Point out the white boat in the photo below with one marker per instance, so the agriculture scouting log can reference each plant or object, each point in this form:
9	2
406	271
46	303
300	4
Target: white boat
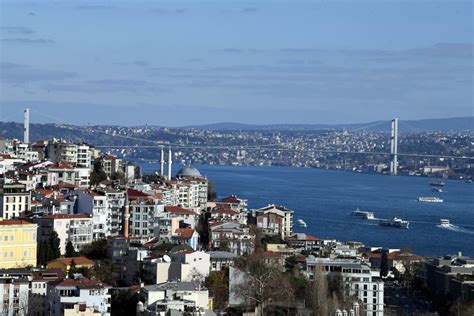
302	223
436	189
362	214
395	222
444	223
430	199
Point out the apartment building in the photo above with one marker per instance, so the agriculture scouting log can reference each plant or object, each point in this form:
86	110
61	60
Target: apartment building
17	244
14	200
275	220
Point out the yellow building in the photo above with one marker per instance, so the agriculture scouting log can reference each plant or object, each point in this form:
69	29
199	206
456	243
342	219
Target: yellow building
17	243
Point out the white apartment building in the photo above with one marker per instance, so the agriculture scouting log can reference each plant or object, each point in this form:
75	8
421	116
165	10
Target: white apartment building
64	294
76	228
358	278
95	204
165	298
144	217
67	173
15	296
14	200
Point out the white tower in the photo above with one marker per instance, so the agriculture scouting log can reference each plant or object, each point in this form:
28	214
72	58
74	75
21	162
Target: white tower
170	162
394	147
162	162
26	126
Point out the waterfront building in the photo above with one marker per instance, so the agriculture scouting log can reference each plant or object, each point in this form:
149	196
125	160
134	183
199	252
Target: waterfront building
17	243
14	200
301	241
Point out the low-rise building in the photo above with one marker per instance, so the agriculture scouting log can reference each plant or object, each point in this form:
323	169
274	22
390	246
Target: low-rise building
14	200
64	264
64	294
15	296
275	220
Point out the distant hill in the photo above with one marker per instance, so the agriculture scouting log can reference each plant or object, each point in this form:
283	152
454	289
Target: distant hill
106	134
427	125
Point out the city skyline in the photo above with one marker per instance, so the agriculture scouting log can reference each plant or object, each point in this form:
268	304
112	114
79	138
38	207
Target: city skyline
268	62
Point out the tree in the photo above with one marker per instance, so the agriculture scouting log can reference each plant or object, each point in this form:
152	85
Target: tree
54	244
262	284
72	269
224	246
384	265
42	253
318	292
218	285
98	249
119	175
98	174
123	303
70	251
211	193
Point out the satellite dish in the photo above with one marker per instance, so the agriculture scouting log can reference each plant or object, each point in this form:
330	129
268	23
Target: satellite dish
166	258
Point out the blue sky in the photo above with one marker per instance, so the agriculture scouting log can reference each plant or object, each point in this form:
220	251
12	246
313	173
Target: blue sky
176	63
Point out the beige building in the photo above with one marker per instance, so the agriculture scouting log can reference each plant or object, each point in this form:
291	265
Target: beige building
275	220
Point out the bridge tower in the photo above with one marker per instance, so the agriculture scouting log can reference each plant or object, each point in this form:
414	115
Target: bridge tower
394	147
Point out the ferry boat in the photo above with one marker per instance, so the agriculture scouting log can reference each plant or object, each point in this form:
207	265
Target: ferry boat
437	183
302	223
430	199
362	214
395	222
436	189
444	223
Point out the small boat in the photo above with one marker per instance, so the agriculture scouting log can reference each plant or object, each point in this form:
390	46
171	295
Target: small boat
437	183
302	223
362	214
436	189
430	199
395	222
468	181
444	223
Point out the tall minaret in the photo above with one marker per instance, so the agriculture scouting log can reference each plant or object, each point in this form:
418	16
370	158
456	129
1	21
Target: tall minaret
170	162
162	162
26	126
126	217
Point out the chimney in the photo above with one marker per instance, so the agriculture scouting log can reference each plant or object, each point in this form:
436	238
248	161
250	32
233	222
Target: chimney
170	162
26	126
162	162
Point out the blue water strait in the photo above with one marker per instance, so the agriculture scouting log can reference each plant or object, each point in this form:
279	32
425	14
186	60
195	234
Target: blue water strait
325	198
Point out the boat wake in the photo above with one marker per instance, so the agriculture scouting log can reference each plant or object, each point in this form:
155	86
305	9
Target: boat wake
456	228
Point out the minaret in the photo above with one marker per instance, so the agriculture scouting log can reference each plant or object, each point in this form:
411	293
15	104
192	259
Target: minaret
126	216
162	162
26	126
170	162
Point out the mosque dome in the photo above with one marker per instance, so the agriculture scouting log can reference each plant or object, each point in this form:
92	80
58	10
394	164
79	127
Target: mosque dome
188	171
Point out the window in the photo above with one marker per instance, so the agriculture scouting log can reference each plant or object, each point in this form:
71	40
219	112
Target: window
374	300
6	238
375	287
12	238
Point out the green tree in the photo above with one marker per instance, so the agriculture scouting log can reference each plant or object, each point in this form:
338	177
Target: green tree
119	175
98	173
70	251
42	253
72	269
98	249
123	302
54	246
384	265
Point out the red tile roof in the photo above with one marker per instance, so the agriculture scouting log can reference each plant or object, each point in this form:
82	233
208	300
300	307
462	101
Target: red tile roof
185	233
178	210
8	222
82	283
132	193
64	216
77	260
